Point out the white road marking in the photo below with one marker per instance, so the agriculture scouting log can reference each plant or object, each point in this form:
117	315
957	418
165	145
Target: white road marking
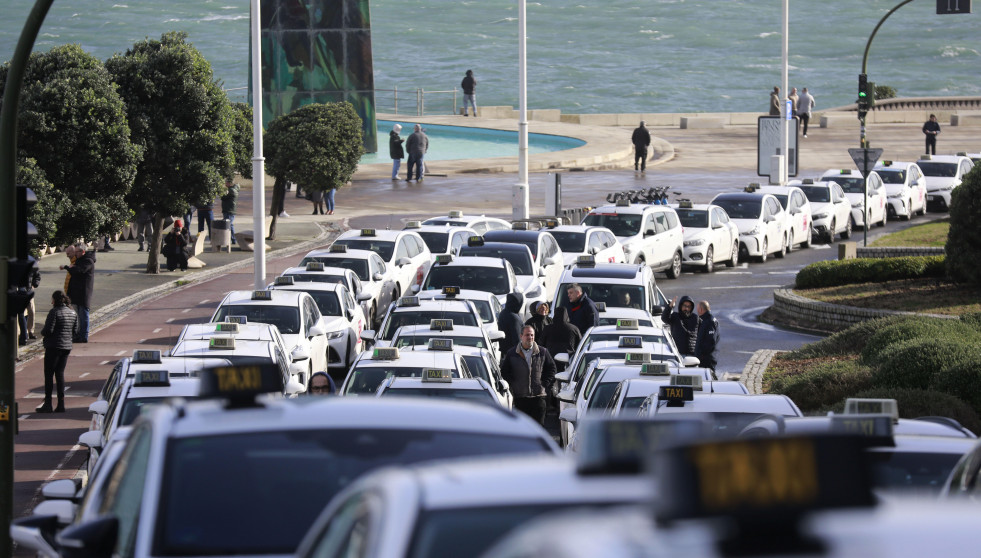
205	301
61	465
105	362
791	272
169	320
142	341
185	311
120	353
742	319
84	374
820	246
157	330
733	272
741	287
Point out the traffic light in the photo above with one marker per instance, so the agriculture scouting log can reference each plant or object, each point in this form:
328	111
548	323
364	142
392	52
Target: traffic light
863	92
22	269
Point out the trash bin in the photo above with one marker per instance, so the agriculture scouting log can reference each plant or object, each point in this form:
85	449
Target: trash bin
221	237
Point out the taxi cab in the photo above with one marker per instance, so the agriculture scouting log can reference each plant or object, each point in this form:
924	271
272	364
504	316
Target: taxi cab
466	336
487	304
317	272
584	240
242	474
441	384
403	252
373	367
478	223
486	365
545	251
411	310
610	315
534	280
650	234
728	413
377	278
852	183
441	239
761	222
710	237
905	188
294	313
943	173
473	273
247	351
797	210
631	393
831	211
615	285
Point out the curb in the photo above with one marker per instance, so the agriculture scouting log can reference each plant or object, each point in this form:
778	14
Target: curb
835	317
752	376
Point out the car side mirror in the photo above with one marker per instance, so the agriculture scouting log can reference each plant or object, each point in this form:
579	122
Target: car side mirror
93	539
294	387
91	439
566	396
649	232
368	335
62	489
363	296
549	261
62	509
504	387
563	376
657	310
316	330
561	357
99	407
569	415
37	533
495	335
415	288
690	361
541	272
402	262
377	276
300	353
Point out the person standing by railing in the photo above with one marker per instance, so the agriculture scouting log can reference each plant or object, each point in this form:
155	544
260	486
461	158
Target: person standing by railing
469	84
395	150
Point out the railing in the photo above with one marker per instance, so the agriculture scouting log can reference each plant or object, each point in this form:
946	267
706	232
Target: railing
919	103
413	102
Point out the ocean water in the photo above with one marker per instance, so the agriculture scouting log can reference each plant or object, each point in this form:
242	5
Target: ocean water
585	56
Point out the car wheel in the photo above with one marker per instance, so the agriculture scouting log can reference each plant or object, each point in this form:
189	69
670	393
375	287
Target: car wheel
766	248
847	233
734	260
909	209
831	232
885	217
790	242
710	260
783	249
675	270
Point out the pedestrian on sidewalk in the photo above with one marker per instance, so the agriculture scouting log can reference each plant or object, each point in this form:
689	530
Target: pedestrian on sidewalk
330	201
469	84
229	205
25	322
804	106
175	247
205	215
707	341
59	328
144	227
80	288
775	102
395	150
794	98
931	129
684	324
416	146
317	197
641	140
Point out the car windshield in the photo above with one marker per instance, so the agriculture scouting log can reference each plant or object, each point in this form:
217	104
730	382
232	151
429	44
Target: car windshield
622	225
228	494
484	309
920	473
850	184
477	366
358	266
365	380
892	176
741	209
435	241
615	296
817	194
316	278
648	338
600	399
631	406
934	168
476	278
286	318
477	395
328	302
407	340
570	241
695	218
782	198
383	248
520	260
134	407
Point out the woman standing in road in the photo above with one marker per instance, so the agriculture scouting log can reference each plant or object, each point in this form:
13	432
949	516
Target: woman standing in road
58	331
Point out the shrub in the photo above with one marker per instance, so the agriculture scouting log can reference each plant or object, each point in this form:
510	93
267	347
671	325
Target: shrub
913	364
824	384
964	237
916	403
973	319
916	327
832	273
849	341
885	92
961	380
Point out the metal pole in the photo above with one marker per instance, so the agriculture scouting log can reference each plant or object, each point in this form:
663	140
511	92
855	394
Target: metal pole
519	193
396	99
258	161
784	123
8	236
865	199
863	140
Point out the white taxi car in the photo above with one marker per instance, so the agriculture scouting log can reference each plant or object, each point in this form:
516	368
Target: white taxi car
710	237
797	209
441	239
373	367
545	252
465	336
487	304
473	273
905	188
943	173
377	278
760	220
631	393
478	223
584	240
317	272
831	212
439	383
852	183
411	310
728	414
402	251
486	365
628	286
533	280
650	234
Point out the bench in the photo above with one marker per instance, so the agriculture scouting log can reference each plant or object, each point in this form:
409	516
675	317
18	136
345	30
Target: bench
246	239
702	122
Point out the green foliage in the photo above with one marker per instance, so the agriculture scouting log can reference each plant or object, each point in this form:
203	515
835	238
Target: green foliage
831	273
913	364
316	146
885	92
961	380
916	403
242	139
848	341
72	123
880	343
824	384
47	211
964	238
973	319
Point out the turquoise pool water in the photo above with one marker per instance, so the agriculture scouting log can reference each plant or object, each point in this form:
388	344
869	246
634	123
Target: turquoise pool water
460	142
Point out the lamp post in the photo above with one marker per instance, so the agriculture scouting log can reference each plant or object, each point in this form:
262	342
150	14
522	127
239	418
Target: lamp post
258	161
519	192
784	122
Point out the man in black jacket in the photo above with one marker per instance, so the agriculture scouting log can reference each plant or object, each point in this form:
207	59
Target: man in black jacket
684	324
530	372
582	310
641	140
509	321
707	342
80	288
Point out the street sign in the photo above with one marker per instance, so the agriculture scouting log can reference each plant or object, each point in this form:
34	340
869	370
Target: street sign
769	140
865	159
953	7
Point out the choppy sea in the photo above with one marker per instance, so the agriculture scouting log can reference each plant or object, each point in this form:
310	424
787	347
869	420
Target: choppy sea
585	56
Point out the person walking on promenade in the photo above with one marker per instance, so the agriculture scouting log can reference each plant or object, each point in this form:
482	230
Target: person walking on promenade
80	288
707	341
229	205
59	328
775	102
25	322
804	106
329	195
317	197
641	140
416	146
395	150
793	101
582	310
469	97
205	215
529	370
175	247
931	129
144	228
560	336
684	324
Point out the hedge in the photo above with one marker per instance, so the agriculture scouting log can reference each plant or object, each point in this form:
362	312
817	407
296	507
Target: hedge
916	403
878	345
845	342
831	273
962	380
913	364
824	384
973	319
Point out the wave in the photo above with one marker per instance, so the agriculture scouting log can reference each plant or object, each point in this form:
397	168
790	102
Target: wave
225	17
769	34
952	51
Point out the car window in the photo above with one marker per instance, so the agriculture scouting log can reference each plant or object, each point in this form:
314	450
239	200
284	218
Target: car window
596	241
125	489
459	240
660	223
346	534
402	251
672	219
479	227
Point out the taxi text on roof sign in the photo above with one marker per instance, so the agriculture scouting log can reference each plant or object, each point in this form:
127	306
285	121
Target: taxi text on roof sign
242	320
693	380
240	384
385	353
451	291
437	375
367	232
286	279
675	395
628	323
655	369
623	446
342	248
227	327
455	214
413	224
855	406
586	261
441	324
261	295
637	358
869	426
444	259
631	342
146	357
475	241
685	203
440	344
222	343
153	378
315	266
408	301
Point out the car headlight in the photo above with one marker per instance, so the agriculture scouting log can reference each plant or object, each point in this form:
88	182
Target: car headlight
334	334
535	292
696	242
755	230
820	216
857	204
946	188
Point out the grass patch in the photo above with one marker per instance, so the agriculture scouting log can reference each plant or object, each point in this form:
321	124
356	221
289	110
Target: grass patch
930	234
915	295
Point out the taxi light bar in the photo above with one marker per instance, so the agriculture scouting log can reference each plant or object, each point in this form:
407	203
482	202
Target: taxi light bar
586	260
285	279
685	204
655	369
551	223
624	446
874	427
887	163
451	292
437	375
241	384
341	248
367	232
440	344
241	320
519	226
962	153
455	214
889	407
444	258
675	395
628	323
692	380
630	342
261	295
413	225
753	186
145	356
315	266
441	324
623	202
807	181
926	157
600	306
152	378
408	301
227	327
476	240
637	358
385	353
222	343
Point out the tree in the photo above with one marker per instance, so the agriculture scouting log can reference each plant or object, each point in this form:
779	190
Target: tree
885	92
317	146
964	238
182	119
242	139
47	212
72	124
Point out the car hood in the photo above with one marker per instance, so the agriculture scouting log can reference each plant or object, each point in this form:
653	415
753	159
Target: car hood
745	225
895	188
938	182
334	323
822	207
695	234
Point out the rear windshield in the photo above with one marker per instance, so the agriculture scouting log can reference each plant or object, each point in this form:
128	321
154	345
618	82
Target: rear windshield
316	278
817	194
435	241
408	317
285	318
358	266
741	209
383	248
931	168
477	278
570	241
892	176
520	260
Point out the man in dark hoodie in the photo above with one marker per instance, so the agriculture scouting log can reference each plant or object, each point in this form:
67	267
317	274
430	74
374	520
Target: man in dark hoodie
684	324
582	310
509	321
80	288
707	342
530	371
560	336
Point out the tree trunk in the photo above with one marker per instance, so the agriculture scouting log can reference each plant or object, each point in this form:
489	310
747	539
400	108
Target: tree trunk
277	205
153	259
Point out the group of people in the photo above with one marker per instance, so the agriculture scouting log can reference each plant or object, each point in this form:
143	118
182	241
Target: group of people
416	145
800	105
694	329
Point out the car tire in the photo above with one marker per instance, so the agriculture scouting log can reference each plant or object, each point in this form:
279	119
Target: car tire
909	209
790	242
847	233
734	260
710	260
783	249
764	254
830	236
675	270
